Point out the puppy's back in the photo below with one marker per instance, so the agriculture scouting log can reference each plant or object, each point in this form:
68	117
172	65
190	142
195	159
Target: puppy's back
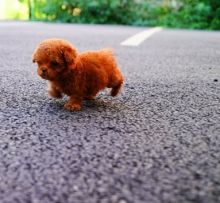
101	59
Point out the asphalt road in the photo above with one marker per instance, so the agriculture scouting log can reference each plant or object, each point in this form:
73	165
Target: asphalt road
157	142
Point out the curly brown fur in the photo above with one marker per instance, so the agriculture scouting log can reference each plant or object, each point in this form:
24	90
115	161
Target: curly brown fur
78	75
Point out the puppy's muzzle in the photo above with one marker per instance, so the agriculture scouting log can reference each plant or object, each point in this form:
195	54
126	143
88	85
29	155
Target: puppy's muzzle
43	72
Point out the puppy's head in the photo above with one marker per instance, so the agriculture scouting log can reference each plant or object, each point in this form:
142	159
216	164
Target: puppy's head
54	57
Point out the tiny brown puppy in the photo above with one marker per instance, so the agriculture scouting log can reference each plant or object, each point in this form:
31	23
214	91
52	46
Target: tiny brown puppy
78	75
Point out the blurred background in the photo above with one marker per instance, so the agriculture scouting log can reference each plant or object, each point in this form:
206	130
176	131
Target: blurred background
193	14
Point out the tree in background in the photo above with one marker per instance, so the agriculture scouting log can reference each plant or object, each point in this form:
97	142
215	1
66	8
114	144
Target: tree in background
214	16
87	11
196	14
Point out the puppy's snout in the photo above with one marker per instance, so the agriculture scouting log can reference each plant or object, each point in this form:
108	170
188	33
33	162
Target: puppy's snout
44	70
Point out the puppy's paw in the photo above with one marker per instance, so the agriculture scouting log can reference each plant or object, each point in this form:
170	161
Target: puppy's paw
55	94
72	106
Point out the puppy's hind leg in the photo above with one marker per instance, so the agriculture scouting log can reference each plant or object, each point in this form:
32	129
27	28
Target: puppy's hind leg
116	84
115	90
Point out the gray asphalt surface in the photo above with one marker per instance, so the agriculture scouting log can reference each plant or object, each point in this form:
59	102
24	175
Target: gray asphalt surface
157	142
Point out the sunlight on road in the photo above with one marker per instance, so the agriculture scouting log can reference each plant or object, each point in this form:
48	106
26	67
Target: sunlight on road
12	9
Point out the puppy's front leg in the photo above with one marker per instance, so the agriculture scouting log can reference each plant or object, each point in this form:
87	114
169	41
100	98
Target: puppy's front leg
74	103
53	91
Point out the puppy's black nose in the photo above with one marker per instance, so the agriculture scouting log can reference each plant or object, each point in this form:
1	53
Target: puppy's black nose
44	70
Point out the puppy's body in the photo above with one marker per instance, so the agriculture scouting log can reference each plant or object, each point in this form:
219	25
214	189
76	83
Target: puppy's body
80	76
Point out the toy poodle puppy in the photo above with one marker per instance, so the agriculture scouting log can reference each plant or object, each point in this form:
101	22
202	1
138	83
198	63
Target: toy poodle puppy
78	75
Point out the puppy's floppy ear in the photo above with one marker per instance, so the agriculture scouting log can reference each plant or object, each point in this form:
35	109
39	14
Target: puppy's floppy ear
34	57
68	55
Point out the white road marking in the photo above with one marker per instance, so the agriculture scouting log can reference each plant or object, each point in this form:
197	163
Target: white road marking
138	38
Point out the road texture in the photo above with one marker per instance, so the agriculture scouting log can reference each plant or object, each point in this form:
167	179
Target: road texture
157	142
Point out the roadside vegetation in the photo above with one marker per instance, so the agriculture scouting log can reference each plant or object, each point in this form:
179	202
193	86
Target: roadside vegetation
194	14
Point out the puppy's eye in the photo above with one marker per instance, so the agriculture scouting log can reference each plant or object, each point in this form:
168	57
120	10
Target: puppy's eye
54	63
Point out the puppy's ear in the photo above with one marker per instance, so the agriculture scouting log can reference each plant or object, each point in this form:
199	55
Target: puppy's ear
68	55
34	57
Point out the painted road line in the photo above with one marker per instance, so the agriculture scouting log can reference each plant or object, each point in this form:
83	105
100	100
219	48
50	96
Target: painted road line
138	38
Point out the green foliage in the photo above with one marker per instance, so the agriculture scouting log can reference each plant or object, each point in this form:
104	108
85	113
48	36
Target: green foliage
87	11
196	14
